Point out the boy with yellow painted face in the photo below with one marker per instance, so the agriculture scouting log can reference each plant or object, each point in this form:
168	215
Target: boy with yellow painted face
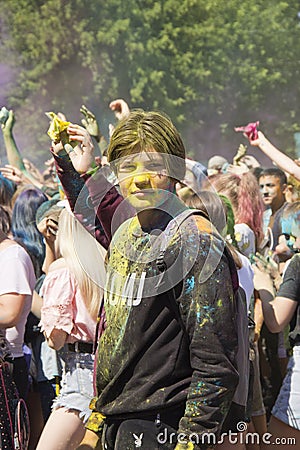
166	372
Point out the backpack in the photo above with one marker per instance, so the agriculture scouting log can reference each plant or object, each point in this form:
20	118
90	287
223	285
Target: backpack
243	321
14	419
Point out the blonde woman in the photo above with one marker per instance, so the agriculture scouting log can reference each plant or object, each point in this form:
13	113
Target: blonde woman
72	295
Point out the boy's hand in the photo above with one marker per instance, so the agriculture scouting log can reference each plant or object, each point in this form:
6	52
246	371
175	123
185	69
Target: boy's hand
82	156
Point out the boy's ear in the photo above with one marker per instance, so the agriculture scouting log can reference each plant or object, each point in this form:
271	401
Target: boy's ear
284	188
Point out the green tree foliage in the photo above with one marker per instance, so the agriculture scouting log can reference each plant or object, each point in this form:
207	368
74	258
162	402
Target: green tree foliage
210	65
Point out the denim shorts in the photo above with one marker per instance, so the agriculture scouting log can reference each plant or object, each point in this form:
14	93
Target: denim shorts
287	406
77	383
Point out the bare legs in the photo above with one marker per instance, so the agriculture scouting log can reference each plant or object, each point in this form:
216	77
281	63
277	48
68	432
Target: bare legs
64	430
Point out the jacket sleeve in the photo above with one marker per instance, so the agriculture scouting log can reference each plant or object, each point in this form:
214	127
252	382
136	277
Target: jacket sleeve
208	311
93	199
108	204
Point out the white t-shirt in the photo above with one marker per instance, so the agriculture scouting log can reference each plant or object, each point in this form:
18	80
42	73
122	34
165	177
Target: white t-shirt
246	274
17	275
245	239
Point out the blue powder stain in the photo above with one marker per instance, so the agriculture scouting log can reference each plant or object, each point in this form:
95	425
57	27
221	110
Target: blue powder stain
189	284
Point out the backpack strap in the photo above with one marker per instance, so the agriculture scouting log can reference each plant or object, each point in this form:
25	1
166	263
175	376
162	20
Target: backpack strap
176	223
162	265
242	357
100	325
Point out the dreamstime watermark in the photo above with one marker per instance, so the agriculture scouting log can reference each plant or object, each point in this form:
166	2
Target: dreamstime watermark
242	436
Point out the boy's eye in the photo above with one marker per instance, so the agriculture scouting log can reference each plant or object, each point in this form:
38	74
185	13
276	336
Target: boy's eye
155	166
127	167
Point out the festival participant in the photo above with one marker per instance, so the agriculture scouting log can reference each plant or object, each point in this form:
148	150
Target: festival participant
272	184
22	171
5	220
45	364
195	175
278	313
72	296
243	193
7	189
283	161
24	229
215	164
17	280
292	193
221	215
160	368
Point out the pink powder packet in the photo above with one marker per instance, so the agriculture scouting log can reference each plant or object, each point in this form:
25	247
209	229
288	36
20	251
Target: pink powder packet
250	130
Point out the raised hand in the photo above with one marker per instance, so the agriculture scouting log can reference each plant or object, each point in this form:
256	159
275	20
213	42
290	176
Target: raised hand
297	161
239	169
259	141
14	174
82	156
33	170
62	116
120	108
250	161
263	282
240	154
249	131
48	227
9	123
266	263
90	123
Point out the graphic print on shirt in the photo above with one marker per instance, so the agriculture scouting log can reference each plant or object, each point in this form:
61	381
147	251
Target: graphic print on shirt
131	291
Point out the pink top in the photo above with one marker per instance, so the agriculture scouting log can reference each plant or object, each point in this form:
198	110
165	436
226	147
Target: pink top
64	308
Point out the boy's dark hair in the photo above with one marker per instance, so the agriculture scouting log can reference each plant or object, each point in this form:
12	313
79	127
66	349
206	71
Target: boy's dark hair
274	172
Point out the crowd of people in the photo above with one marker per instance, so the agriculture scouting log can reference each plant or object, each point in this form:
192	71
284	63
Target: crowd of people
148	300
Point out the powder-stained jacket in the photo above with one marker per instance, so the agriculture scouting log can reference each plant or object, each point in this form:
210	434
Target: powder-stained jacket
146	361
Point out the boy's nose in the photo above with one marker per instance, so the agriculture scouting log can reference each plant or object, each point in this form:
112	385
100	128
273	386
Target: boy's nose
141	179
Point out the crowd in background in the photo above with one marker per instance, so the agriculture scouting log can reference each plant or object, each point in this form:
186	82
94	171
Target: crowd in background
53	274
